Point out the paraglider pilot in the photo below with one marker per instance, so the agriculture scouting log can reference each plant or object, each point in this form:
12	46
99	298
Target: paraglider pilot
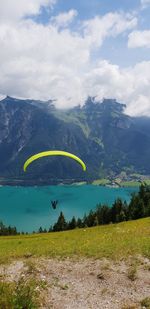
54	204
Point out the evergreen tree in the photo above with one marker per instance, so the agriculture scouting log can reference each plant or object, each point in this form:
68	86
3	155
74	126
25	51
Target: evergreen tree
103	214
79	223
4	230
40	230
136	208
90	219
121	216
95	223
84	221
147	210
72	224
61	224
117	211
144	193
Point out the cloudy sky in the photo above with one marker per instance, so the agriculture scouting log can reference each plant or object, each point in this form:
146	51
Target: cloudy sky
67	50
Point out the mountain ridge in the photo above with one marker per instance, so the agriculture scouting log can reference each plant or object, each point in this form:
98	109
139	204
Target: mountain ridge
108	140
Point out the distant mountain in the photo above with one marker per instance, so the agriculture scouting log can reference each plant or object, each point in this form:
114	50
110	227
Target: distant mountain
108	140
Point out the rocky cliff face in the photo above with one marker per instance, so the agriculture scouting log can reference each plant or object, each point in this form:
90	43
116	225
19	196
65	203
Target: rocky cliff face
101	134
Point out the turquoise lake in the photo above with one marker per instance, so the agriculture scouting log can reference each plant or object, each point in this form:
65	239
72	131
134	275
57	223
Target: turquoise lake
28	208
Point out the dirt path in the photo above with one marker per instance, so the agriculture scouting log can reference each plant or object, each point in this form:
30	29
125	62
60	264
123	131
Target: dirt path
85	283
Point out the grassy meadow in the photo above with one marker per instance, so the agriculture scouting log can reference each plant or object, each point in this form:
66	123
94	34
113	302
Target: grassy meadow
101	182
130	183
114	241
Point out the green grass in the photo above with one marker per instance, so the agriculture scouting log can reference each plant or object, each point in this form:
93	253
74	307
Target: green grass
130	184
80	183
77	118
115	241
147	181
146	303
18	295
101	182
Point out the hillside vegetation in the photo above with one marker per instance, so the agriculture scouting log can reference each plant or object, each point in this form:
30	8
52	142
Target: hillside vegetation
115	241
107	140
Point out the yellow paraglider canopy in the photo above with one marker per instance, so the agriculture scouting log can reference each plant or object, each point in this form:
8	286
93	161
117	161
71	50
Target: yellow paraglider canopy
53	153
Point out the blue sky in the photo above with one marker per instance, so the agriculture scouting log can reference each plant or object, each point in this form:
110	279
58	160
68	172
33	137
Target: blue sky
88	9
114	50
67	50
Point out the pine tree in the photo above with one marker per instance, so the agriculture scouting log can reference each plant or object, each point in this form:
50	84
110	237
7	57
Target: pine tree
136	208
95	223
84	221
103	214
90	219
61	224
116	210
72	224
79	223
40	230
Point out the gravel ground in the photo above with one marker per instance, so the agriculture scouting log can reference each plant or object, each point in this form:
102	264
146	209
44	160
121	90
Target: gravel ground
85	283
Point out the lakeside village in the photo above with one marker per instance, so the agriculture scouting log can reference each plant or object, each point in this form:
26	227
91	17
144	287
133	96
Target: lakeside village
122	180
119	180
114	180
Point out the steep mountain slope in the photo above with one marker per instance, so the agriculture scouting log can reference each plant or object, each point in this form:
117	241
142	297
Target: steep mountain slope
101	134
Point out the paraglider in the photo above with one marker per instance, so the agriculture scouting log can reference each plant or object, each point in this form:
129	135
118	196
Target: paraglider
53	153
54	204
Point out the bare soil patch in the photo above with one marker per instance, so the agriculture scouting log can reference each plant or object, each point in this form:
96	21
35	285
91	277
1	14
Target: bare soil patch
85	283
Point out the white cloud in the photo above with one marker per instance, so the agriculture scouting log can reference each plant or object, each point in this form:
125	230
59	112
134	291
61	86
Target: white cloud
64	19
42	62
12	10
139	107
145	3
111	24
139	39
130	85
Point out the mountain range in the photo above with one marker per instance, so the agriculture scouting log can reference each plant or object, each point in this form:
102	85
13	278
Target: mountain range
100	133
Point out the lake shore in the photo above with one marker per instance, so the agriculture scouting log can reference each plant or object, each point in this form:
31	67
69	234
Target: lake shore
112	183
33	204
